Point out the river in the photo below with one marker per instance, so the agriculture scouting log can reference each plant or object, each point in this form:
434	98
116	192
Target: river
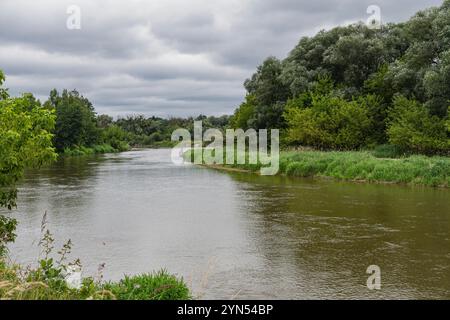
238	235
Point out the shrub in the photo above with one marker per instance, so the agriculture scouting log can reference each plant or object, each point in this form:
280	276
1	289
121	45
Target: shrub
330	122
413	128
116	137
156	286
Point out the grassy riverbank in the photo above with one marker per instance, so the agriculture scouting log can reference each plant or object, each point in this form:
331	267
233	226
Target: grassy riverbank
47	283
362	166
96	149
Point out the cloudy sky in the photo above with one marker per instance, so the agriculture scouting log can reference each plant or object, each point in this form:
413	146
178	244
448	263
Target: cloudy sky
163	57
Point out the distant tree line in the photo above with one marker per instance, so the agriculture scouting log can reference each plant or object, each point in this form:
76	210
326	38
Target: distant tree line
78	126
353	87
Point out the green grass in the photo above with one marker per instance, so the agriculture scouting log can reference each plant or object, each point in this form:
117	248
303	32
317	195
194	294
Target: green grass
156	286
363	166
388	151
17	284
85	151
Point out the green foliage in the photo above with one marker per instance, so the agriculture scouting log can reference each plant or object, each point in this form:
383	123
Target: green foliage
157	132
244	115
269	93
388	151
104	121
46	282
116	137
363	166
78	129
86	151
377	113
266	85
437	85
7	233
3	91
76	123
156	286
369	68
25	141
328	122
412	127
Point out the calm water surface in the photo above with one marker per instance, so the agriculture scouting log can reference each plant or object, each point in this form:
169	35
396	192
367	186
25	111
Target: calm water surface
239	235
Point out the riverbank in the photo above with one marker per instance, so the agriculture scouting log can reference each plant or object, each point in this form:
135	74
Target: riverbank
96	149
359	166
47	282
107	148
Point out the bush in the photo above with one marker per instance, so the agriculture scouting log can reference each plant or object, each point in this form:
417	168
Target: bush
156	286
330	122
412	127
116	137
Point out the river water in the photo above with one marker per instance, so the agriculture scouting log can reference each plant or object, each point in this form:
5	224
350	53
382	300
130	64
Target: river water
238	235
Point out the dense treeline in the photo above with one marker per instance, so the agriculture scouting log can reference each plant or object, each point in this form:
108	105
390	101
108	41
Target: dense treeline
76	127
354	87
79	130
154	131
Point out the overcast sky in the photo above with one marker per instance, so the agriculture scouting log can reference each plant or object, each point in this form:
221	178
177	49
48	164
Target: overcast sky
163	57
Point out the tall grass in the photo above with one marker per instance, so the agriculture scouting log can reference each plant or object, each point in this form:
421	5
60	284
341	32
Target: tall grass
363	166
19	284
96	149
417	170
154	286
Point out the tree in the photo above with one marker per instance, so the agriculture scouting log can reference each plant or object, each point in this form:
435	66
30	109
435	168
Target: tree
368	67
269	93
76	123
354	57
437	86
412	127
266	84
327	121
25	141
245	114
116	137
104	121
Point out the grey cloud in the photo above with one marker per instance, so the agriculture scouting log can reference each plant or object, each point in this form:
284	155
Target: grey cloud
165	57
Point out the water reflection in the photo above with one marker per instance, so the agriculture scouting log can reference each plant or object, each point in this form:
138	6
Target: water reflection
240	235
